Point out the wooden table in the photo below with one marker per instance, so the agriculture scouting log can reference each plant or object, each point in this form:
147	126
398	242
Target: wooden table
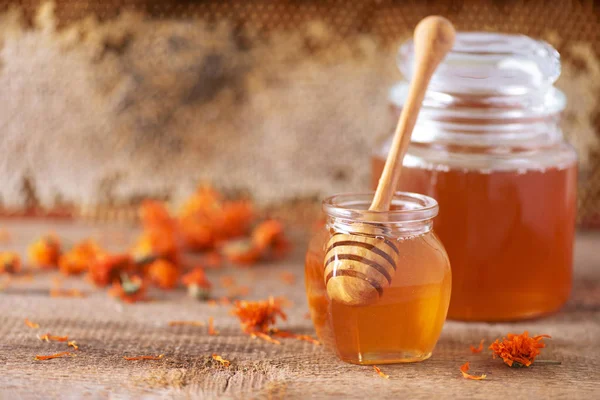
106	330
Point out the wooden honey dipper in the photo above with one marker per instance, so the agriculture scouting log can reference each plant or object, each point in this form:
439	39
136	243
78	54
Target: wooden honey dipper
360	265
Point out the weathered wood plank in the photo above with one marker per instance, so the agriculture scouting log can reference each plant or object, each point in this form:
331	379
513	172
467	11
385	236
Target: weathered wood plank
107	330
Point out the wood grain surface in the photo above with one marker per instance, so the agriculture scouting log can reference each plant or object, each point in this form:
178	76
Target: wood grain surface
107	330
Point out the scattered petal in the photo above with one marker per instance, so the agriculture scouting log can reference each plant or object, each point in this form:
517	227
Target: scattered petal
223	362
52	338
136	358
381	374
478	349
57	355
464	370
73	344
32	325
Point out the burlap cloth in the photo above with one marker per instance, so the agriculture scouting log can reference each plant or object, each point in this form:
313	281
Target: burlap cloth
107	330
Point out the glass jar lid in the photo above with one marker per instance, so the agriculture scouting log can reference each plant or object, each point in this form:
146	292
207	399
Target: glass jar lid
490	64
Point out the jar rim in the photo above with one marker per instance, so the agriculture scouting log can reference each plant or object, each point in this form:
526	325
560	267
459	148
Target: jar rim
415	207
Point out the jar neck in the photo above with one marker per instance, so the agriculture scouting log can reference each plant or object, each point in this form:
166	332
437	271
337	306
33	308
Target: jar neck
410	215
485	123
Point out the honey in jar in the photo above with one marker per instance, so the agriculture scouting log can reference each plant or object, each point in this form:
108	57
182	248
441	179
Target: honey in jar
488	147
404	324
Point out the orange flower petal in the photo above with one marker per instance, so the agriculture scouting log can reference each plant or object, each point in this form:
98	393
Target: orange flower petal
56	355
220	359
32	325
465	367
136	358
381	374
478	349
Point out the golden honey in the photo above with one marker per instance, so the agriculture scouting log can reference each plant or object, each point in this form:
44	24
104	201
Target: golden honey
404	325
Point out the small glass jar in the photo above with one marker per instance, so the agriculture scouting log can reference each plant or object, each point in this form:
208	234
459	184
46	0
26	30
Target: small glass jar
406	321
488	147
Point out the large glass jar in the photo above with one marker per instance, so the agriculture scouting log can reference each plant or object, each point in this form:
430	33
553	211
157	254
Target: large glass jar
404	324
488	147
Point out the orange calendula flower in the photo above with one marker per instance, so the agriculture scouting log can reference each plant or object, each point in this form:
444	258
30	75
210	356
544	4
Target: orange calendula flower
197	283
45	252
79	258
220	359
381	374
163	274
464	370
107	268
236	218
10	262
258	316
477	349
156	243
154	215
32	325
267	233
52	338
242	252
56	355
129	290
137	358
518	350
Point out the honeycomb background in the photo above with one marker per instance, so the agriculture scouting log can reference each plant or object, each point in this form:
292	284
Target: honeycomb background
105	103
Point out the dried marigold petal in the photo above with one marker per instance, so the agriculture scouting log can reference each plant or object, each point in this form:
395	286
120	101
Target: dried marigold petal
129	290
286	334
258	316
56	355
163	274
264	337
108	267
464	370
211	327
478	349
266	233
79	258
30	324
137	358
242	252
225	363
186	323
73	344
381	374
45	251
236	217
518	350
10	262
196	277
53	338
154	215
